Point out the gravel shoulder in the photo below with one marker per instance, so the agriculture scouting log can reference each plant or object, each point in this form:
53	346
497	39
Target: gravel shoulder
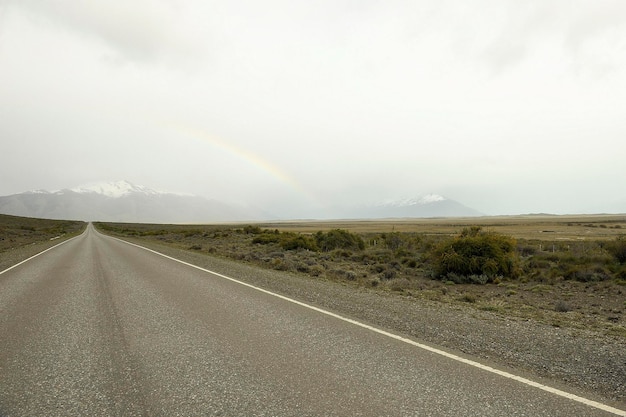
592	363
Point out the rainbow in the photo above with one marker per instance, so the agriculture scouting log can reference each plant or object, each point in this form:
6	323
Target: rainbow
245	155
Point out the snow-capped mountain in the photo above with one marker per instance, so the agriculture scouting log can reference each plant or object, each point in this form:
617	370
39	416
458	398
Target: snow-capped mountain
412	201
122	201
115	189
426	205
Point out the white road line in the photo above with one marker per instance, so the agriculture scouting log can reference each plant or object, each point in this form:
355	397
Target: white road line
40	253
555	391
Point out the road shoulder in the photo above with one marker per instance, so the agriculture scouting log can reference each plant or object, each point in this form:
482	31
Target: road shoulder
591	363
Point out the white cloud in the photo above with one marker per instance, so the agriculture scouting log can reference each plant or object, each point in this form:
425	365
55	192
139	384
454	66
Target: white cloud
137	31
495	103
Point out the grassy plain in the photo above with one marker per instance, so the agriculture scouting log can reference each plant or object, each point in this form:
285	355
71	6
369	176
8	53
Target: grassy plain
22	237
16	232
539	227
568	276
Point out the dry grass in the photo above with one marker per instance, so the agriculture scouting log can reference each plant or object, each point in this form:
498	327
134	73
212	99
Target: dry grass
540	227
16	232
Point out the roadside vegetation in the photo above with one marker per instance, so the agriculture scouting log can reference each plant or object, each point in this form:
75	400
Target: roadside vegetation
16	232
577	282
22	237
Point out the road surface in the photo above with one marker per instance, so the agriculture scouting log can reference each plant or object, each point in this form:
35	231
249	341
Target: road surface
99	327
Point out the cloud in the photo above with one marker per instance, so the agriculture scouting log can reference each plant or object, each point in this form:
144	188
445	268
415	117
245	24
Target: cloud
356	100
513	33
584	35
592	22
595	38
589	35
142	31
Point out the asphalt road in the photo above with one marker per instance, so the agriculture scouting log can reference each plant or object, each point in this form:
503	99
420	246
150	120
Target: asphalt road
98	327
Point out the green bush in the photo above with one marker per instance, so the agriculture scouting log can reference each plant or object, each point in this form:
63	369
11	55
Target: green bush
266	238
475	256
295	242
583	273
393	240
338	239
252	230
617	248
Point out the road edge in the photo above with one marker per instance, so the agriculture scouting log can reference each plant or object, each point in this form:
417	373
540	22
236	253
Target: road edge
508	375
42	252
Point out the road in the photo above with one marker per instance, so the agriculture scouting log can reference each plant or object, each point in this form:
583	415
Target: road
100	327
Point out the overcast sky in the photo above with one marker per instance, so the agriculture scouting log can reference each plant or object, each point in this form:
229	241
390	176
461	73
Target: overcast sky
506	106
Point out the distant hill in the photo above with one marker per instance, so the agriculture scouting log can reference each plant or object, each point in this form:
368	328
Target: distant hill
424	206
122	201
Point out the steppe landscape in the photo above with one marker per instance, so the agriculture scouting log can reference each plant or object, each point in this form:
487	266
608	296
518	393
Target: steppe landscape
561	317
298	209
22	237
568	276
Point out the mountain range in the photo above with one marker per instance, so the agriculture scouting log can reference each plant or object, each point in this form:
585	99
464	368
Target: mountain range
428	205
123	201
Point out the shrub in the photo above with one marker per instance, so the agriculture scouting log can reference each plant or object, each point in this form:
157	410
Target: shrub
252	230
342	273
316	270
468	298
562	307
295	242
393	240
350	275
266	238
475	256
411	263
478	279
341	254
388	274
527	250
617	248
282	264
338	239
189	233
382	256
399	284
586	274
